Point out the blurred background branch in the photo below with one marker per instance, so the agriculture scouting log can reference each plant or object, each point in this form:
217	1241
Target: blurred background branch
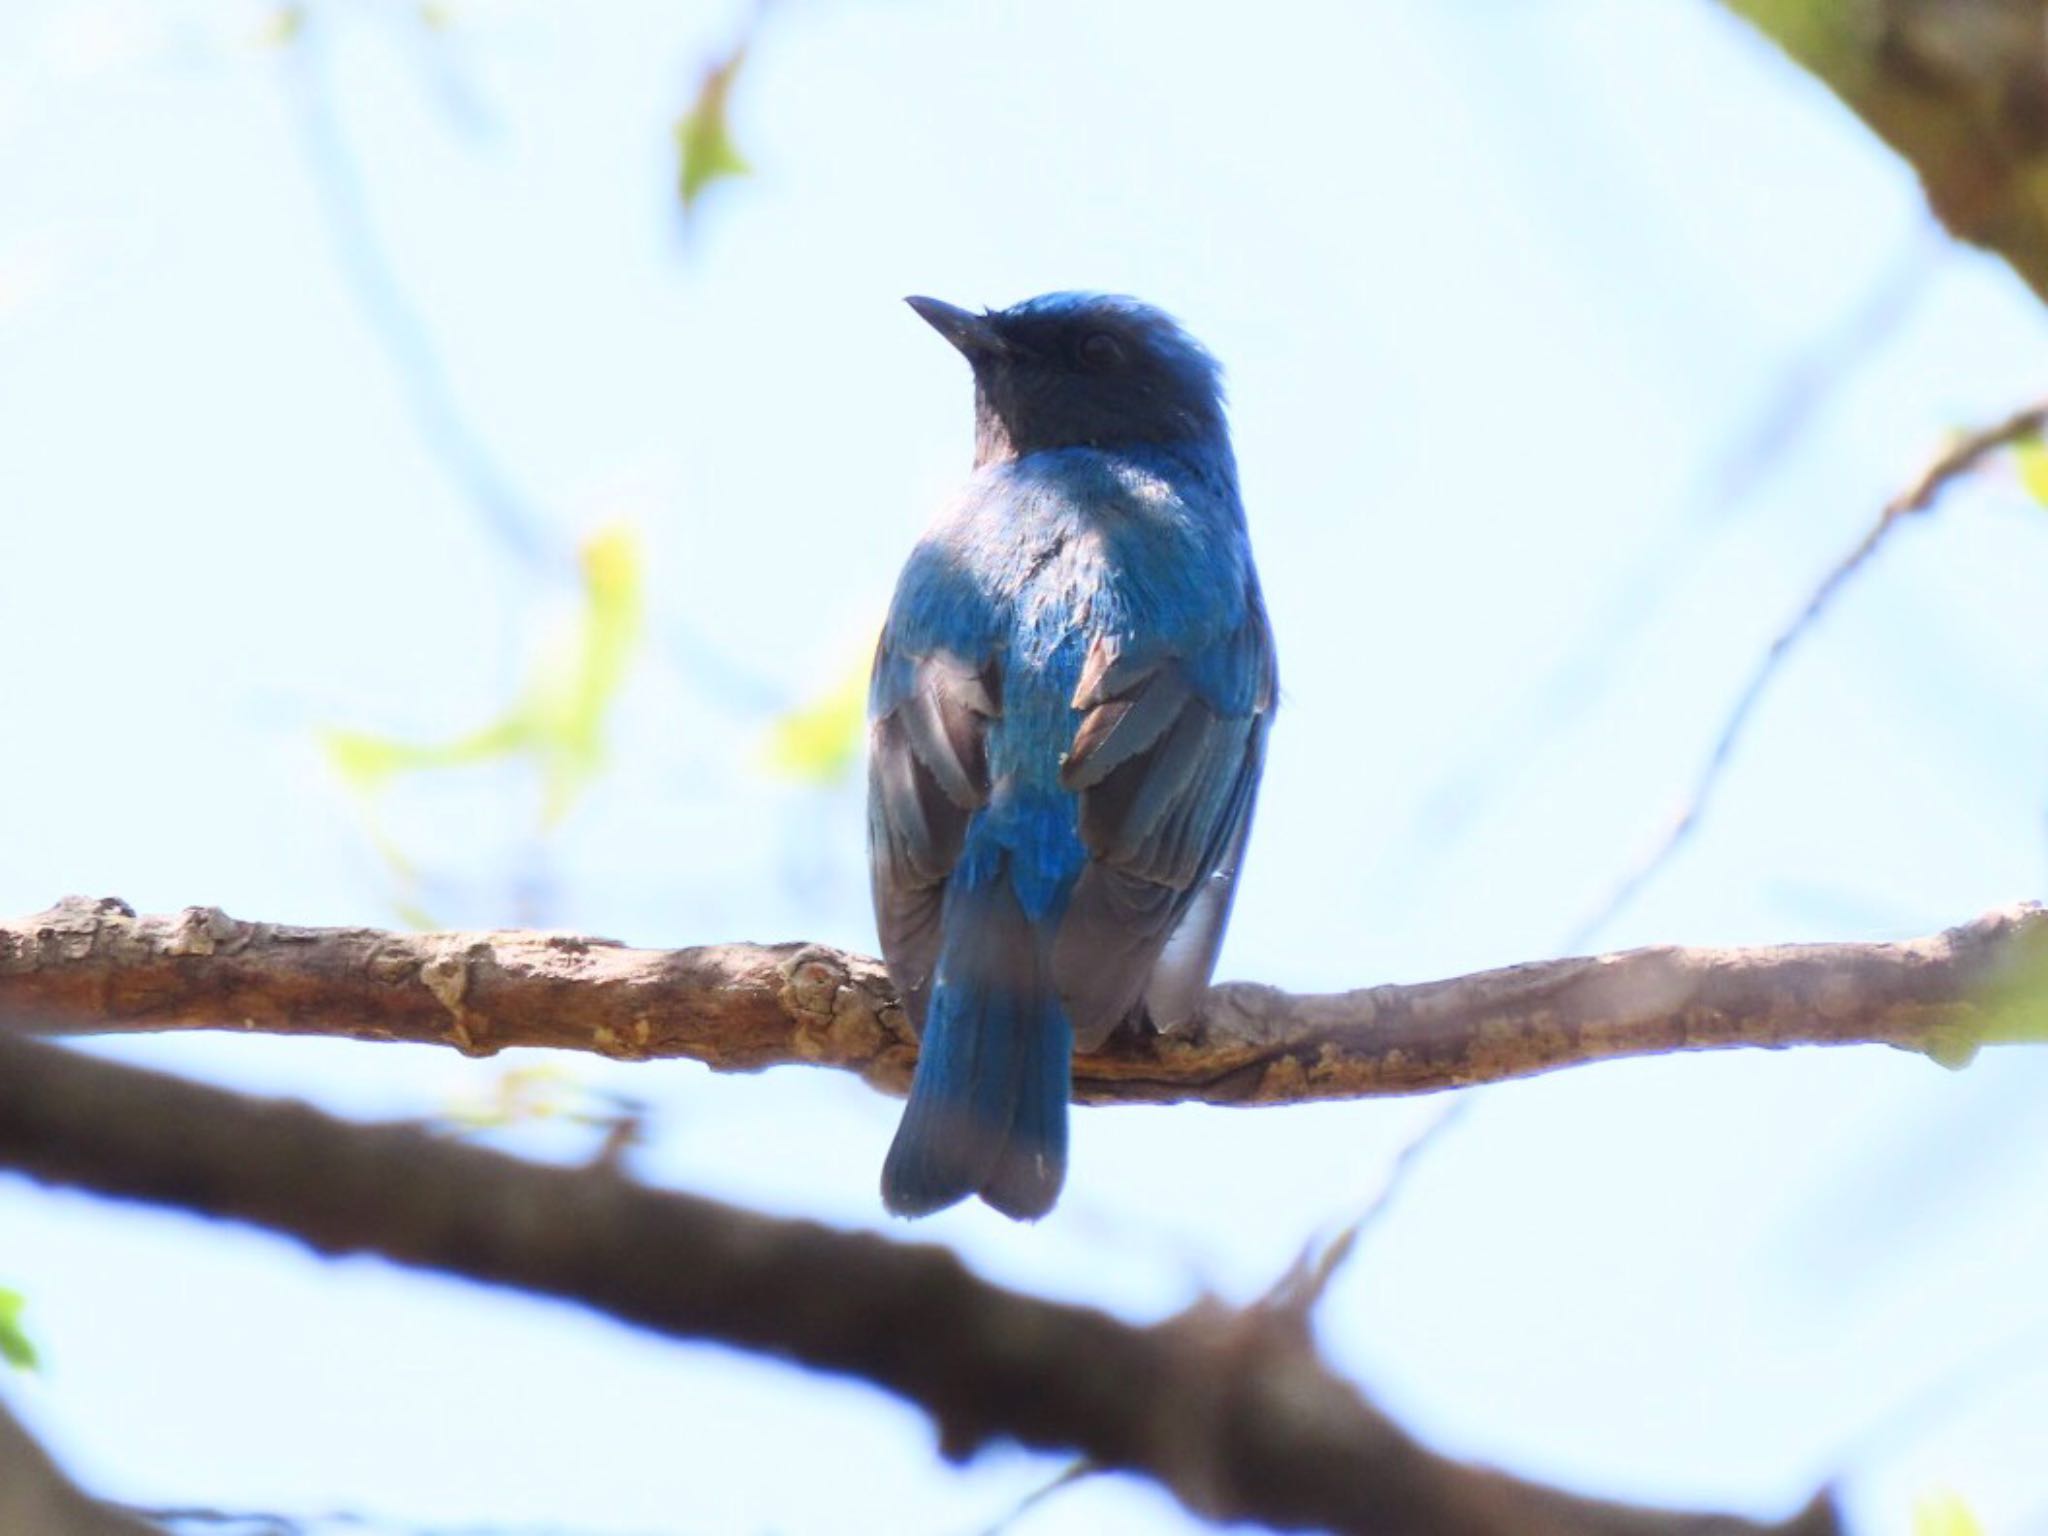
38	1500
1233	1411
1959	88
520	528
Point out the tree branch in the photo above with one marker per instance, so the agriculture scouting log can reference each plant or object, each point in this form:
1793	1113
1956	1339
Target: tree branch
1962	457
37	1498
87	967
1959	88
1232	1411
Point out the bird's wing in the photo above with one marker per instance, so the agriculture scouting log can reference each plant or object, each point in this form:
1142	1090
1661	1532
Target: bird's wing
1166	764
927	774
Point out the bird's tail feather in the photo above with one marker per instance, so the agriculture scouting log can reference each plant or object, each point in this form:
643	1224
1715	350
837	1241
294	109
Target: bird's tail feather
988	1105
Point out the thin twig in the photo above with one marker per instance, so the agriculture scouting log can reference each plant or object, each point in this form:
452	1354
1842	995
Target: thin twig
1812	378
1959	1385
395	321
1073	1472
398	325
245	1522
1815	376
1307	1281
1571	688
240	1522
1963	456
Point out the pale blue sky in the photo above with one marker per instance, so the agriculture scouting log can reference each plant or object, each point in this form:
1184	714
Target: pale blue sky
1500	289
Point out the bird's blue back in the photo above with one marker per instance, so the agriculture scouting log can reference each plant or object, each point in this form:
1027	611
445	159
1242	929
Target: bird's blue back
1036	559
1069	700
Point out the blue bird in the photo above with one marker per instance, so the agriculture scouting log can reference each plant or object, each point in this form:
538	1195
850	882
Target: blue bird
1067	721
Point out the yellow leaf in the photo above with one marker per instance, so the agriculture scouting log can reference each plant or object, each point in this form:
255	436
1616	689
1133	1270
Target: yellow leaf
15	1347
705	149
819	742
575	685
363	761
2013	1007
526	1095
282	26
411	913
366	761
1944	1514
557	722
2030	458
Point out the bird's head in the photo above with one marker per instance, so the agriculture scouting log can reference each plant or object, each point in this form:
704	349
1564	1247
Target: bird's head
1068	370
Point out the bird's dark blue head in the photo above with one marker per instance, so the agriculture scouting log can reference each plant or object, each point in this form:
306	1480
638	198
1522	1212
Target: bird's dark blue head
1069	370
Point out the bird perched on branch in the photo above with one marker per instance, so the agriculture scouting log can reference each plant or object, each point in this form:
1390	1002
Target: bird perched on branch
1068	719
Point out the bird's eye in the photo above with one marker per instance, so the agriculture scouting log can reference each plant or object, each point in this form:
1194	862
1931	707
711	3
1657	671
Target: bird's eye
1101	351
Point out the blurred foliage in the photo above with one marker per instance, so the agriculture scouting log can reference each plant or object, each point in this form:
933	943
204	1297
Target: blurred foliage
548	1094
285	23
819	742
281	26
525	1094
556	723
2030	458
1954	89
2014	1008
1943	1514
705	151
15	1347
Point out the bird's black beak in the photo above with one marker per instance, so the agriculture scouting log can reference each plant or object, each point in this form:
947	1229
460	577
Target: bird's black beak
975	335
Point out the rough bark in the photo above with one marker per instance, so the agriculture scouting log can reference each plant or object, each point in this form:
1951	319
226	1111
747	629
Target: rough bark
1959	88
92	967
1232	1411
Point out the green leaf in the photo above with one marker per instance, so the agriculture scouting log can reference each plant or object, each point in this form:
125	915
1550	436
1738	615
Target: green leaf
535	1094
705	151
367	762
15	1347
515	1096
282	26
556	722
577	681
819	742
2030	458
2011	1009
1944	1514
408	911
363	761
